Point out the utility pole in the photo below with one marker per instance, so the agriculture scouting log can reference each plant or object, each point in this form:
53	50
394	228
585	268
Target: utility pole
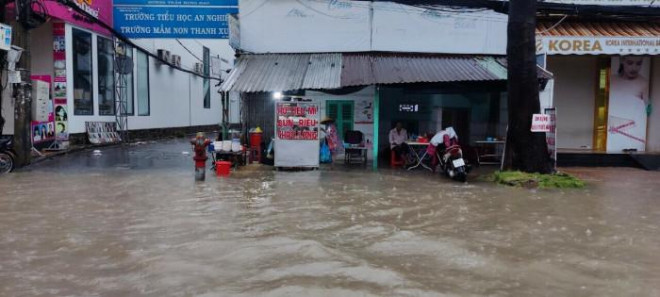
23	90
525	150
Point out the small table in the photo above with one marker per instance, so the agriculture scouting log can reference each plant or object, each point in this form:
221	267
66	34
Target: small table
234	157
497	154
418	149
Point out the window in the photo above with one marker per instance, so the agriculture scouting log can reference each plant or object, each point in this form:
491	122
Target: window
143	83
207	82
82	73
126	83
106	74
342	112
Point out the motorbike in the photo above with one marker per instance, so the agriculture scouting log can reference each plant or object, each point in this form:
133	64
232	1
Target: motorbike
453	165
7	155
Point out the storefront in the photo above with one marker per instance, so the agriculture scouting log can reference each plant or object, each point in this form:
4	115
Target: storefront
606	84
370	92
72	69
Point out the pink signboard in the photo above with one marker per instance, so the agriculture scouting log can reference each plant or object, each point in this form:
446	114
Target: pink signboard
102	9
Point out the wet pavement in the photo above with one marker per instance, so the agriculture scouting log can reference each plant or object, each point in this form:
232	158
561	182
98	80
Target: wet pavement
134	223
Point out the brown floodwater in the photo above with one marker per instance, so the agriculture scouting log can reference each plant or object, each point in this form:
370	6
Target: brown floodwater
134	223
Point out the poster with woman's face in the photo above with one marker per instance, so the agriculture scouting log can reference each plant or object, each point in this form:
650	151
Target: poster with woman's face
629	98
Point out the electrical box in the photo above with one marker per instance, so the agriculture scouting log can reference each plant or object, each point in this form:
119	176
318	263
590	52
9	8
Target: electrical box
41	106
5	37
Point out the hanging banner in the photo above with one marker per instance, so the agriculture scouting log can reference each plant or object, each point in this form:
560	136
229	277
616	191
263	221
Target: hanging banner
628	104
43	126
174	19
60	83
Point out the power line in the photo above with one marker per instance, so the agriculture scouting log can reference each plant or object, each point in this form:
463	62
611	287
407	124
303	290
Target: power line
189	51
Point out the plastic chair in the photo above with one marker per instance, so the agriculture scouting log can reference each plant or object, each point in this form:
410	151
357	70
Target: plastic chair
396	161
354	147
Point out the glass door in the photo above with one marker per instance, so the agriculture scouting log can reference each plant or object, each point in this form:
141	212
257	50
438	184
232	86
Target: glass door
601	104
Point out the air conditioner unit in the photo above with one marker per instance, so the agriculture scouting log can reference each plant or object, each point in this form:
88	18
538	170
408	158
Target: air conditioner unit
199	68
163	55
176	60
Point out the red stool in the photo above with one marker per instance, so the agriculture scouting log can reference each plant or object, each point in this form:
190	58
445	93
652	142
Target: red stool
396	161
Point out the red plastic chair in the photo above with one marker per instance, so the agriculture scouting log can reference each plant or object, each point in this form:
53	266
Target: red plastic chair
396	161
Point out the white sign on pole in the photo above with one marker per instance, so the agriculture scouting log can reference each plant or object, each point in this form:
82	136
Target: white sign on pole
540	123
5	37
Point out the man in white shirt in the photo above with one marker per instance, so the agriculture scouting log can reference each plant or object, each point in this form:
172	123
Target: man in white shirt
398	137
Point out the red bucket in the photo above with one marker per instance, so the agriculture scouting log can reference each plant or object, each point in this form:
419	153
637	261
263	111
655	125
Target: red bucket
222	168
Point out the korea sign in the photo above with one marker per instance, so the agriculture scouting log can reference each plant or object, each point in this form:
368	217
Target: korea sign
541	123
174	19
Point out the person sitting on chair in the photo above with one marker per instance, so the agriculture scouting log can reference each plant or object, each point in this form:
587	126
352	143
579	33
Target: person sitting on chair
398	137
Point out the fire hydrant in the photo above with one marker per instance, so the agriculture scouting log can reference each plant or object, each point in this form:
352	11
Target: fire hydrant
199	147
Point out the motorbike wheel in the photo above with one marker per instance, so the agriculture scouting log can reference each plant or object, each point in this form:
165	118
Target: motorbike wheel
6	163
461	175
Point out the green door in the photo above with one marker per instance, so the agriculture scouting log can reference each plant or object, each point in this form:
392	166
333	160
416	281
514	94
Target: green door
342	112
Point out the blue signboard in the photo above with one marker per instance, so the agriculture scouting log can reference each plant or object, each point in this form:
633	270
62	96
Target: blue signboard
174	18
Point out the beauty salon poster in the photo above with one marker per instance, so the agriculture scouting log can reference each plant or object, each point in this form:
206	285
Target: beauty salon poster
629	99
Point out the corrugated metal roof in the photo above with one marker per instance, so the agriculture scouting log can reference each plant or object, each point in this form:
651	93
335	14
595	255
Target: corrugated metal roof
284	72
366	69
601	29
357	70
265	73
323	72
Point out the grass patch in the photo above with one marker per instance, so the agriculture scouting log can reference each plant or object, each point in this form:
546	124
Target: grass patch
536	180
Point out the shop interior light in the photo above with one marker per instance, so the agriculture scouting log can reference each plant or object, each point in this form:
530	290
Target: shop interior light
278	95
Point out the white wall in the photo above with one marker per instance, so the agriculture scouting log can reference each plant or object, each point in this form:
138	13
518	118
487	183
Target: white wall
297	26
366	94
574	98
176	98
653	134
402	28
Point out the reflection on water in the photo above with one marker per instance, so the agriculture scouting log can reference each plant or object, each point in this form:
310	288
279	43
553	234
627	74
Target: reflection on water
134	223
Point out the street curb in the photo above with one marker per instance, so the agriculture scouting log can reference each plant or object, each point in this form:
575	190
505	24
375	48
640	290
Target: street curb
76	149
81	148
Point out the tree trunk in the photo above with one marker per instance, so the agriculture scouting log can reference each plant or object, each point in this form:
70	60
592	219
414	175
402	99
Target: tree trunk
525	150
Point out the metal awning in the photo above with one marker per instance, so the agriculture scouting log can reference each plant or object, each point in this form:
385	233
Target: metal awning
598	38
285	72
598	29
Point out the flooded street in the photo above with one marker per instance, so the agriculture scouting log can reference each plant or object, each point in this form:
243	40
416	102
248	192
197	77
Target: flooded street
134	223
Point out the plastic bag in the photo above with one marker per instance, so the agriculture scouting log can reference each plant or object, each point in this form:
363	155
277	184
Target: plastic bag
326	157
